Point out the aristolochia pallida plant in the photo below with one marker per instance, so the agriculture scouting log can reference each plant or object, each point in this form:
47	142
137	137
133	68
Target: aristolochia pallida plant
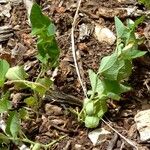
42	26
109	81
48	54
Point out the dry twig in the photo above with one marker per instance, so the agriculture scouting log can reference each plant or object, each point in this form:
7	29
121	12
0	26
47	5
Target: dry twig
73	48
132	143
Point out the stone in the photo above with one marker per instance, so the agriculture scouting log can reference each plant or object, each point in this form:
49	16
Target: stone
98	136
104	35
142	120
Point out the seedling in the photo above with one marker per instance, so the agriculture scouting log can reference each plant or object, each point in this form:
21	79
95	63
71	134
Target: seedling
109	81
42	26
48	54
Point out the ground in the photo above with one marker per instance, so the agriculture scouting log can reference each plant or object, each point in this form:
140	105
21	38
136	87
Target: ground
50	125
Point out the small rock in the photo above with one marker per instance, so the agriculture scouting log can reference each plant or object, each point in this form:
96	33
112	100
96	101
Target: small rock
3	1
142	120
104	34
98	136
78	147
24	147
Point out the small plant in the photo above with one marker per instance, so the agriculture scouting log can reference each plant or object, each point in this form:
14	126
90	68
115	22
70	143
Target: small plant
42	26
110	80
48	54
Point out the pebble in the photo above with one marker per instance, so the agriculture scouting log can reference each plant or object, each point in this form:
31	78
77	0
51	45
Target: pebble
142	120
104	34
98	136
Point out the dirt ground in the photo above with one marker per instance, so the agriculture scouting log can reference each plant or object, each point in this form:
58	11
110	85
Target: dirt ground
51	126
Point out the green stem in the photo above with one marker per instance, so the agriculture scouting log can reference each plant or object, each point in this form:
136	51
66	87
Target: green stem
45	146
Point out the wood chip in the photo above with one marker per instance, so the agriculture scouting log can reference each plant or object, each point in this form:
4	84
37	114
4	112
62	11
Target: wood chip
5	33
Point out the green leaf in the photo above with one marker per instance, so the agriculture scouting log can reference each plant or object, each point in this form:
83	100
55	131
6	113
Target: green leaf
4	66
90	108
24	114
120	27
114	87
13	124
125	71
5	104
86	101
96	83
51	30
38	87
38	31
38	20
132	54
107	62
138	21
16	73
41	45
31	101
91	121
4	138
48	50
44	60
53	49
46	82
101	107
124	88
37	146
113	96
113	72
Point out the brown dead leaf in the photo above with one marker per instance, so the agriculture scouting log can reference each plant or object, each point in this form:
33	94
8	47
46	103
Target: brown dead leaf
7	57
111	12
60	9
53	110
28	40
65	68
57	121
82	47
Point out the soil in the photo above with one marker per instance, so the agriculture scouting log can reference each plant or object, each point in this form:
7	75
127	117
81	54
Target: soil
55	120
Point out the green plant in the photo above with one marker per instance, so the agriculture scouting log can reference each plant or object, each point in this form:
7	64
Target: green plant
48	54
42	26
110	80
145	2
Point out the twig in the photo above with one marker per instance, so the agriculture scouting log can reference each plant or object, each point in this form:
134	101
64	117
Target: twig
127	140
73	48
122	146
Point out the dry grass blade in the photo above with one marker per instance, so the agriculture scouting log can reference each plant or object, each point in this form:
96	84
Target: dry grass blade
73	48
